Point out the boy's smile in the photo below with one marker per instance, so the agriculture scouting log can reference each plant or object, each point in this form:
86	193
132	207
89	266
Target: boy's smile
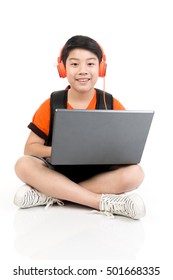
83	81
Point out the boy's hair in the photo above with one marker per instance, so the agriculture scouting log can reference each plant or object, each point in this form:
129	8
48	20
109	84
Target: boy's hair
81	42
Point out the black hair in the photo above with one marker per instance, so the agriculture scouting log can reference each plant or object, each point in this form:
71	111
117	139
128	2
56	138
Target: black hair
81	42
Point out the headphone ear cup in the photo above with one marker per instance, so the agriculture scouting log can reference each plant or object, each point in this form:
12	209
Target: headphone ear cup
102	69
61	69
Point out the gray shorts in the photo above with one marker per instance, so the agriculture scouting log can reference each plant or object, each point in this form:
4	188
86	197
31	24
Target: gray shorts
77	173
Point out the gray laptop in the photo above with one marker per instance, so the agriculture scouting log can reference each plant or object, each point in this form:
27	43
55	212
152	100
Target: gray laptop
99	136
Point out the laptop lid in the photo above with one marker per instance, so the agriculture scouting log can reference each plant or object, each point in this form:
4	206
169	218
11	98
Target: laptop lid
99	136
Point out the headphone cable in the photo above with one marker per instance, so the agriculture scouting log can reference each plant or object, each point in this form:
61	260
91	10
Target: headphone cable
104	94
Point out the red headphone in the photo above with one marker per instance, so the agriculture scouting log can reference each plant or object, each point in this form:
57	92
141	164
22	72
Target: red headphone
62	71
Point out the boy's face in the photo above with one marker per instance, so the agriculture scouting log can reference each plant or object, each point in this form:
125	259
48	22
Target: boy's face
82	68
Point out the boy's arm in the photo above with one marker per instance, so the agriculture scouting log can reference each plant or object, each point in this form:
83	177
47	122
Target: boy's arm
35	146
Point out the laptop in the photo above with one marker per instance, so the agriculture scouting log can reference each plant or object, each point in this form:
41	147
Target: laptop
86	137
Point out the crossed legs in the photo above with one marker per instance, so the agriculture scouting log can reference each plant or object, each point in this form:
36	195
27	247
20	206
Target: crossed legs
33	172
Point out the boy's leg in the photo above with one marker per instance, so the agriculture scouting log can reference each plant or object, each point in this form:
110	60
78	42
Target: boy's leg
116	181
33	172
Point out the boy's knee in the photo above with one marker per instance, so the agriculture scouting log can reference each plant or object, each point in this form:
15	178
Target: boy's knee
25	166
20	165
134	178
137	176
141	173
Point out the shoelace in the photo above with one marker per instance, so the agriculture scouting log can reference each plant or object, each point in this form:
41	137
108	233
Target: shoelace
34	197
52	201
106	213
118	206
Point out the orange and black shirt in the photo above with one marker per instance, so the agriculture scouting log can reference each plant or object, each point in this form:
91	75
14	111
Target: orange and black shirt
40	124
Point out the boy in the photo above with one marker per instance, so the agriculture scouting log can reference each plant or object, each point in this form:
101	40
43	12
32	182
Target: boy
103	188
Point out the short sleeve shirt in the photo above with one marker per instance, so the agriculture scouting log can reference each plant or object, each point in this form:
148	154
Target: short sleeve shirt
41	119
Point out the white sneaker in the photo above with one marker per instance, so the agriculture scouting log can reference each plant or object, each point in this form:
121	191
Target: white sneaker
27	197
129	205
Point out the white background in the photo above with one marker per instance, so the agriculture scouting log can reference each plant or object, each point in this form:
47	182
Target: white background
137	38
